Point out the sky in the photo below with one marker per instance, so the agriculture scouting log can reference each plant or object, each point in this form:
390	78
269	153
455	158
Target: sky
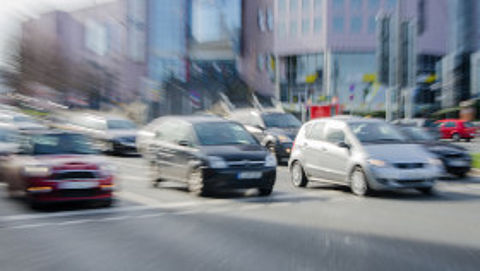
13	12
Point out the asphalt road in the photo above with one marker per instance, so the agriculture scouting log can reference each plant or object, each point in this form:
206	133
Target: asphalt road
321	227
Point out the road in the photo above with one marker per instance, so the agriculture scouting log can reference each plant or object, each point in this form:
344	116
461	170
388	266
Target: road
321	227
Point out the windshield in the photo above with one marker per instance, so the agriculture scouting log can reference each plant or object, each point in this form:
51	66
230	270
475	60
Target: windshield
376	132
61	144
121	125
223	133
8	136
281	120
417	134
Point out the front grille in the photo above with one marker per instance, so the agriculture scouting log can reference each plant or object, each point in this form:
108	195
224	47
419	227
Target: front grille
78	193
246	164
410	181
74	175
454	155
408	165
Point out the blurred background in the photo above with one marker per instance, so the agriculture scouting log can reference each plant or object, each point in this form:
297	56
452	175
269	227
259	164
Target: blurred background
148	58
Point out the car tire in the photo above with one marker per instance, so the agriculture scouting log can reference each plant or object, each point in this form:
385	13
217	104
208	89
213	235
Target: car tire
359	183
265	191
426	190
106	203
297	175
456	137
154	179
196	185
468	139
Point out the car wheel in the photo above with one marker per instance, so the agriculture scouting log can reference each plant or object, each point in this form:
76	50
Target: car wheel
196	185
155	180
426	190
456	137
358	183
265	191
297	175
467	139
106	203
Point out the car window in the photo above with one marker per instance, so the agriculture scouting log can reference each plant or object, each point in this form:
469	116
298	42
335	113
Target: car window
467	124
316	132
61	144
376	132
281	120
120	124
449	124
334	135
223	133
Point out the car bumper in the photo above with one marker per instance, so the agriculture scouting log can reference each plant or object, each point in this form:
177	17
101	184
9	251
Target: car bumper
126	148
71	195
219	179
393	178
283	151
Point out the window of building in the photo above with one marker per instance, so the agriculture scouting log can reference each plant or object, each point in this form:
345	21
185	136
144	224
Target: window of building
356	5
261	20
338	5
372	24
421	16
293	6
318	6
373	5
391	4
338	24
305	26
356	25
260	62
270	22
306	6
293	28
317	24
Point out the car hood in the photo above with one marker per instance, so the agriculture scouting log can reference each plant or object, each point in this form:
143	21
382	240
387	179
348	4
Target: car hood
398	153
290	132
236	152
69	161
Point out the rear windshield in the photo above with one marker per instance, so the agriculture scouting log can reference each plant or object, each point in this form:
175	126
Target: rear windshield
61	144
222	133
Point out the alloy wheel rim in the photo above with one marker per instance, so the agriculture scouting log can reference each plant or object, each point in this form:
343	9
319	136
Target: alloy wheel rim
296	174
358	183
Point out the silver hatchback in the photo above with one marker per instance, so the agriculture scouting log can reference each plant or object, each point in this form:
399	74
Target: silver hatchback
365	154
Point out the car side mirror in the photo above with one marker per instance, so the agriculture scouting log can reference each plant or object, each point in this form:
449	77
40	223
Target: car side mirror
344	145
184	143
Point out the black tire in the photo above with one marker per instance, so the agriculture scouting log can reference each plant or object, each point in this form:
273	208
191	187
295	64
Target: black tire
154	179
106	203
468	139
265	191
297	175
358	183
456	137
196	185
426	190
461	175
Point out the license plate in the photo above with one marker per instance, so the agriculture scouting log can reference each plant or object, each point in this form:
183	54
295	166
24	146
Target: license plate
78	185
459	163
249	175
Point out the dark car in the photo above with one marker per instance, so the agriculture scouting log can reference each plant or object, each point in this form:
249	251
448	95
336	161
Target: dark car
428	124
57	166
456	159
210	154
275	130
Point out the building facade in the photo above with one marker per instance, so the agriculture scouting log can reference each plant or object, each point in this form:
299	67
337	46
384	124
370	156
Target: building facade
319	49
461	68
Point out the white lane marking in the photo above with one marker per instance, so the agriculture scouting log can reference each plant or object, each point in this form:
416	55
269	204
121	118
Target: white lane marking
150	215
73	222
29	226
114	218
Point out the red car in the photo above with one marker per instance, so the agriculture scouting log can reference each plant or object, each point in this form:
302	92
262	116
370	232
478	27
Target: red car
58	167
456	129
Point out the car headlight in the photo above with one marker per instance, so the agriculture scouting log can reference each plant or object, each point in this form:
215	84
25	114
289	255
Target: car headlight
217	162
435	162
284	139
377	162
270	160
37	170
